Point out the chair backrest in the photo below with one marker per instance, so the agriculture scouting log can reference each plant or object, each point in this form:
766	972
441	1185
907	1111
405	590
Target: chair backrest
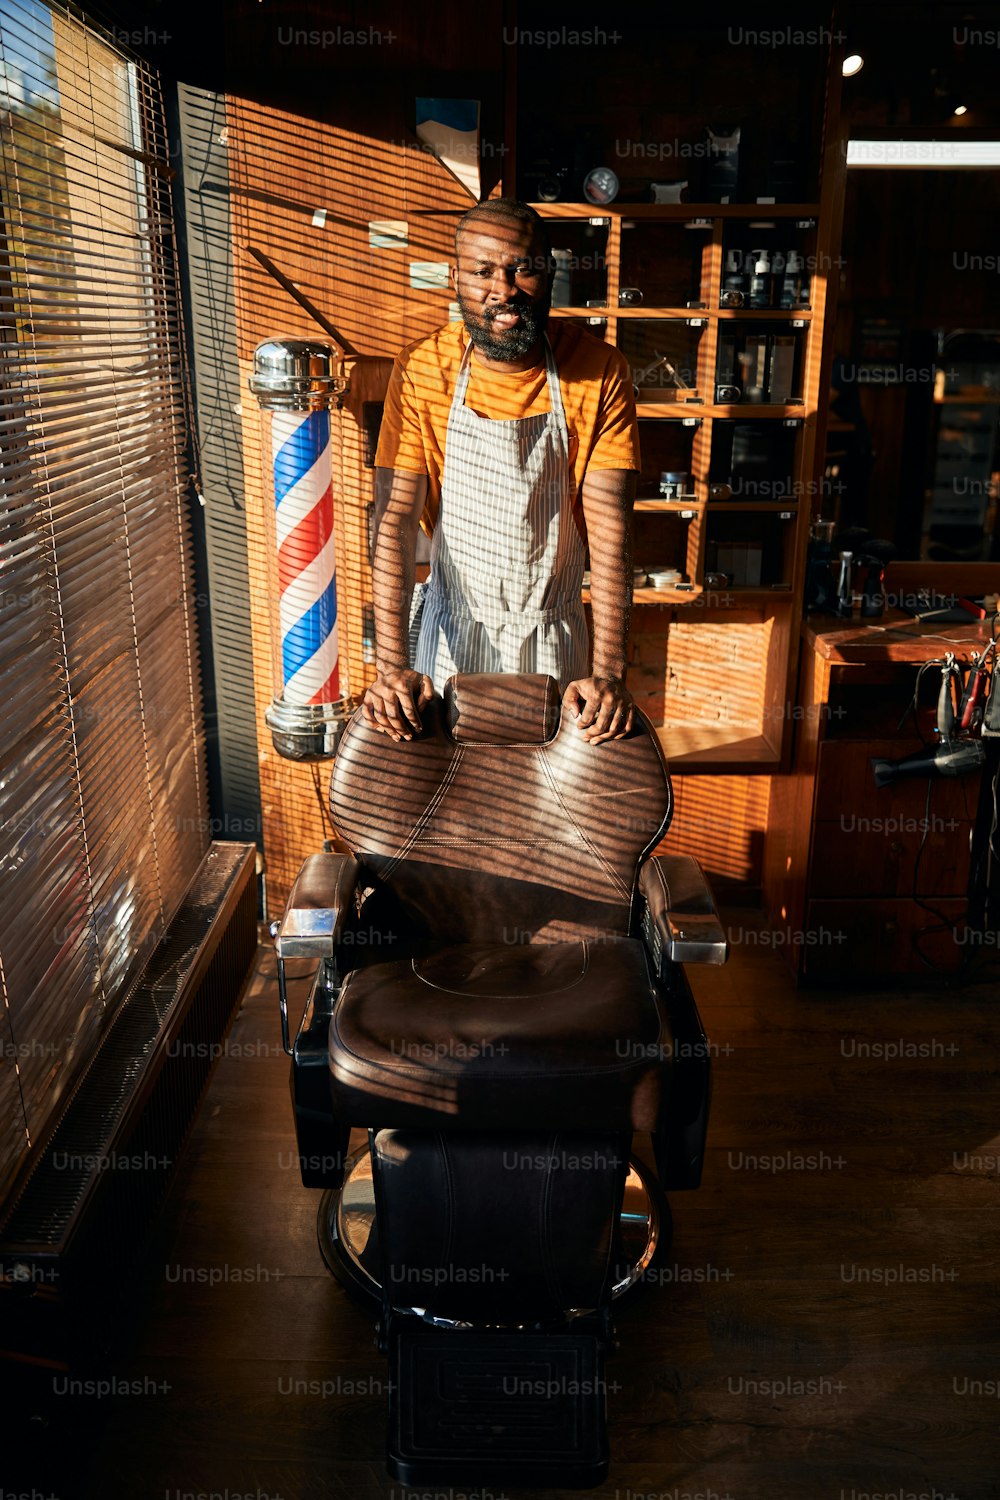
499	822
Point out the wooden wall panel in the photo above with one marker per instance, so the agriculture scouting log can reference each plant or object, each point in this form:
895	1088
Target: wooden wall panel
303	194
721	820
284	171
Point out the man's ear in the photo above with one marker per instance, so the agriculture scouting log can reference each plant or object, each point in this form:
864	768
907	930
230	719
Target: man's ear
454	277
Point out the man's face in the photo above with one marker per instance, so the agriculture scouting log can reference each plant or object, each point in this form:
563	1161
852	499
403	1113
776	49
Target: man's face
502	281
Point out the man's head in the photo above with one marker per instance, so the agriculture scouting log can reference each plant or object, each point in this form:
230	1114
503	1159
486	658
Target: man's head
503	277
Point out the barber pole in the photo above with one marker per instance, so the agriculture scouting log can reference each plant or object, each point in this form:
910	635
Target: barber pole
294	383
307	577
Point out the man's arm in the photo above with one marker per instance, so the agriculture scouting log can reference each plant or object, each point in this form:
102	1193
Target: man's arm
608	495
393	700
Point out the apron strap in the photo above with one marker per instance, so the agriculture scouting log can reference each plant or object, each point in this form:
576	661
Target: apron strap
556	407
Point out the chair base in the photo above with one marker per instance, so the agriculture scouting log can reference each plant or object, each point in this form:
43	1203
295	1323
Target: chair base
348	1232
526	1410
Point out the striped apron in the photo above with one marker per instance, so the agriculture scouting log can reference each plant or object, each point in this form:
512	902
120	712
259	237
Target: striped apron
507	557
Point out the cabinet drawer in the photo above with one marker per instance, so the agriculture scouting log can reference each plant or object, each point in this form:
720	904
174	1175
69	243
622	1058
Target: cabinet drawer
854	941
845	785
875	854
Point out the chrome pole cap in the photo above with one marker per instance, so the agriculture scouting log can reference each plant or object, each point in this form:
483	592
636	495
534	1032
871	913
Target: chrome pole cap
295	375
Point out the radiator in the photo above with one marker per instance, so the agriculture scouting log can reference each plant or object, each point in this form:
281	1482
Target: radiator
77	1226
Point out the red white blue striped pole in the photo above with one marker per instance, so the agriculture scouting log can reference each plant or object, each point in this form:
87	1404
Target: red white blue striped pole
294	383
307	579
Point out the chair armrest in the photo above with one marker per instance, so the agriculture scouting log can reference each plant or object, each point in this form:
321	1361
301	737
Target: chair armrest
319	904
680	921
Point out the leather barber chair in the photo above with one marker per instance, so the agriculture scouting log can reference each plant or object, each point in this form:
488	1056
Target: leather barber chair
501	1004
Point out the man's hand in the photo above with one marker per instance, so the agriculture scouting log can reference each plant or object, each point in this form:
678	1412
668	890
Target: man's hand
393	702
607	708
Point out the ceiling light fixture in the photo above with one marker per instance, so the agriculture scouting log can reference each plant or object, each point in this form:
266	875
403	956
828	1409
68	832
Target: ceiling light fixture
951	152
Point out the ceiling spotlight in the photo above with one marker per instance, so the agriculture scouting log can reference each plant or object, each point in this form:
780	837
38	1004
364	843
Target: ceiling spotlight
852	65
960	109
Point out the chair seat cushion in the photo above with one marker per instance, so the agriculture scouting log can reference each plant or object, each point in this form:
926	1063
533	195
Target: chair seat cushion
522	1035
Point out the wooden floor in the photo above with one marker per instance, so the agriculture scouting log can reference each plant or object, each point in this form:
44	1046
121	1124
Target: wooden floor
828	1326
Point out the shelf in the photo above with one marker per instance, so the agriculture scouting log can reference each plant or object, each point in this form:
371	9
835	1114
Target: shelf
660	596
707	748
647	595
751	506
690	502
744	410
601	314
677	210
747	595
771	314
796	314
675	410
729	597
951	400
688	314
741	411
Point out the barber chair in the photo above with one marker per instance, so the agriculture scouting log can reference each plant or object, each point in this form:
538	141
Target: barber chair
500	1002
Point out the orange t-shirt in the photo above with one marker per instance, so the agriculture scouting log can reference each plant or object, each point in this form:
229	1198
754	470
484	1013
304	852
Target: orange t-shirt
596	386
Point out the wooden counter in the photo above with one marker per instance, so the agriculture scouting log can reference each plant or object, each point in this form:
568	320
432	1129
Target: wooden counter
864	882
896	637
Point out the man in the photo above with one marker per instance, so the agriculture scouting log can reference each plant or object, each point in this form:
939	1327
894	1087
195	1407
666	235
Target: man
510	445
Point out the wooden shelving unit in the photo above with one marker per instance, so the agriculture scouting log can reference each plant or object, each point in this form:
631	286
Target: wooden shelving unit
745	636
758	739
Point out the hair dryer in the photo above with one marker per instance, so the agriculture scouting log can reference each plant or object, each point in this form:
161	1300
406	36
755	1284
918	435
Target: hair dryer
957	759
950	757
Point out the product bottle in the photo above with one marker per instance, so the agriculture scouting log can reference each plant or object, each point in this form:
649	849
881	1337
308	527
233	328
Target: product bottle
760	281
723	162
794	285
821	587
845	591
736	281
562	282
872	592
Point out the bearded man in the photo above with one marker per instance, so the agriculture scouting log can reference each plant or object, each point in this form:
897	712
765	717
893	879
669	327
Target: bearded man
514	445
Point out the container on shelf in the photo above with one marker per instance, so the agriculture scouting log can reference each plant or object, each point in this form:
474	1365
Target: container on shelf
674	484
665	578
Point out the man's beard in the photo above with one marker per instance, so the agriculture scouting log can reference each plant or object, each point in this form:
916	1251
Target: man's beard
514	343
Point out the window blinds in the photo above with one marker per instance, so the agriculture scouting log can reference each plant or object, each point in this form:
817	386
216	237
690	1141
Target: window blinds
103	817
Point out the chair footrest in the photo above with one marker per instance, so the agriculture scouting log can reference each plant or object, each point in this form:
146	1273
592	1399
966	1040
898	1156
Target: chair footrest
475	1407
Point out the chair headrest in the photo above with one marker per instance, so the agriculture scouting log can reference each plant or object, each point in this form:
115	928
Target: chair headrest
484	708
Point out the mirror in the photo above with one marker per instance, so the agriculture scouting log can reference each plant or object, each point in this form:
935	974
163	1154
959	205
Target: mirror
912	448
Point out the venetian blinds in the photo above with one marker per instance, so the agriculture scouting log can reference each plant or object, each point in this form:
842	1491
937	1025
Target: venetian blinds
102	789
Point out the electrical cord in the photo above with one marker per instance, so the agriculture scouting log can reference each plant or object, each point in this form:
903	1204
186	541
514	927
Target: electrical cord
989	924
992	852
324	810
911	707
943	923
